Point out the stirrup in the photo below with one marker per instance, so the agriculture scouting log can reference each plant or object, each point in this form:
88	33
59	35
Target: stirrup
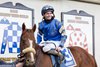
61	60
61	57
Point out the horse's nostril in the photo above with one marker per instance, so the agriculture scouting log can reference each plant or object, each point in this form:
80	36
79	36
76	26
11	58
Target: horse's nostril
28	60
31	63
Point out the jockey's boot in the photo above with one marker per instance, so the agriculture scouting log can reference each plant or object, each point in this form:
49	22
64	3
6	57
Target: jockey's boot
54	52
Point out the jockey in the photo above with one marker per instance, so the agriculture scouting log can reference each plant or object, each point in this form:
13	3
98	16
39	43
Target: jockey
51	33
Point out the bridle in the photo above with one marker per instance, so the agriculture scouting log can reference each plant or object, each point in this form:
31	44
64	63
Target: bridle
30	50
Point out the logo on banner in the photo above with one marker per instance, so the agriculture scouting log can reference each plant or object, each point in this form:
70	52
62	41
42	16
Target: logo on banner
77	37
11	37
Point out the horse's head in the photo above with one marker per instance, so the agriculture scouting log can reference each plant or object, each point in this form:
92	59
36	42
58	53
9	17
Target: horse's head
27	44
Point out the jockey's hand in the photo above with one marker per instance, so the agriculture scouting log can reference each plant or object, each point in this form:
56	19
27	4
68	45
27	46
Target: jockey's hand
58	48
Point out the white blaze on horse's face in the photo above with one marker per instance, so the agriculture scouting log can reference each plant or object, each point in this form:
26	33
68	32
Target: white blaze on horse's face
31	54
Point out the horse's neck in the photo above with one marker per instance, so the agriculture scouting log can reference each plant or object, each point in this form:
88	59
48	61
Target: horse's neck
39	56
38	50
42	58
37	47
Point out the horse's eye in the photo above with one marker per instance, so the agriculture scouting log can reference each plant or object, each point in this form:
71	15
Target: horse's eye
27	30
22	41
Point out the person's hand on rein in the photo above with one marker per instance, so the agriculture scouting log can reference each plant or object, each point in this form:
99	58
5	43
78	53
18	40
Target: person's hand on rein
58	48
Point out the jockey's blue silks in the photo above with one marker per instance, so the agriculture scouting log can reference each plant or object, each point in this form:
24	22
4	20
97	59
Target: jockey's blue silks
52	31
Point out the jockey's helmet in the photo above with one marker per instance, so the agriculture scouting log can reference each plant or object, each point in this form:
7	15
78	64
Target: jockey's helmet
47	8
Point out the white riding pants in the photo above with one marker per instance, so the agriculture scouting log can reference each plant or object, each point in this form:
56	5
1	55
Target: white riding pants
48	45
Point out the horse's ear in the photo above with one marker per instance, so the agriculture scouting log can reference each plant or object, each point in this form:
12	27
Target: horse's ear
23	27
34	28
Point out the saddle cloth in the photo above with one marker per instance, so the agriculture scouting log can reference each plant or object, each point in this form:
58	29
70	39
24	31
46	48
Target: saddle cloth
69	60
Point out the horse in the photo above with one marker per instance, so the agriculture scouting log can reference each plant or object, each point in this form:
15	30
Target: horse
35	57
